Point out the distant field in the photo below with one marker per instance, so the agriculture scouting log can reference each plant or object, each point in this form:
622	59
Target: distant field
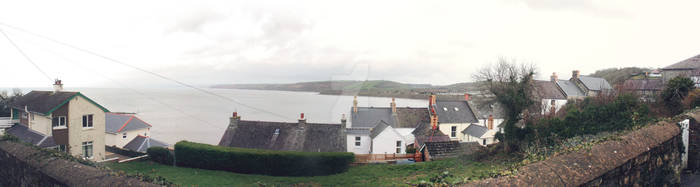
366	175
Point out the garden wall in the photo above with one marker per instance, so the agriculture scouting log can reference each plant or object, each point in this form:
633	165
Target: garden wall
23	165
650	156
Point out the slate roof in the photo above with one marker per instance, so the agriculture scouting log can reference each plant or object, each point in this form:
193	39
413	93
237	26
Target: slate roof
643	84
115	123
45	102
690	63
315	137
142	143
454	112
424	133
569	88
595	83
358	131
406	117
548	90
439	150
31	136
475	130
378	129
485	105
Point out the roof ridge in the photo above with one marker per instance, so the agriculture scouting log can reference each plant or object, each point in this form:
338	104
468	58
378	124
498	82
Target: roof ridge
125	123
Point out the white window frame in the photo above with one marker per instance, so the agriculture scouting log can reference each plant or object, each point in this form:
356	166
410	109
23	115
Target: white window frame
453	131
87	149
58	123
88	121
358	141
124	135
398	146
61	148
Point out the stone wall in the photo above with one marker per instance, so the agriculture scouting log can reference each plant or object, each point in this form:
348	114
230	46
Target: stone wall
646	157
694	144
22	165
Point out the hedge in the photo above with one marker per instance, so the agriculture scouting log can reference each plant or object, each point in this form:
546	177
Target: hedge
256	161
160	155
124	152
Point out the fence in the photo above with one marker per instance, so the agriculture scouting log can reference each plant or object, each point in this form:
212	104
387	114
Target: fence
366	158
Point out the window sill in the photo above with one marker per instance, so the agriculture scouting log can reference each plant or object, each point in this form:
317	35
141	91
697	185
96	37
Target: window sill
88	128
60	127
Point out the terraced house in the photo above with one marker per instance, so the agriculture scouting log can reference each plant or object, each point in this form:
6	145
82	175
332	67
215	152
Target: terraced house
66	121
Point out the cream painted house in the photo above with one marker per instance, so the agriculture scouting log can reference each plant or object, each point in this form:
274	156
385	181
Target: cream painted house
66	121
453	117
121	129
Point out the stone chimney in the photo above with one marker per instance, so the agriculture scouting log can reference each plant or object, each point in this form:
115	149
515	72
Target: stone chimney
234	120
432	98
302	121
554	77
57	86
393	105
490	122
343	122
575	74
354	104
466	96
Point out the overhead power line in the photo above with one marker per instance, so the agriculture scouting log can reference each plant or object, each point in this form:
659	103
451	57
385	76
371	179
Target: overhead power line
143	70
25	55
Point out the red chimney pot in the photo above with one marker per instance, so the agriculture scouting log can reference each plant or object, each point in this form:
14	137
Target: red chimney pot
302	115
235	114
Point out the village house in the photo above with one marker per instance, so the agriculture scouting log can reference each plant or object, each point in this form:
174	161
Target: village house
386	129
580	86
285	136
550	97
124	129
453	116
689	67
66	121
647	88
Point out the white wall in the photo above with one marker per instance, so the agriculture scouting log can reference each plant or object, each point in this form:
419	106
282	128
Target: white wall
119	141
365	142
446	128
385	142
78	107
496	122
40	123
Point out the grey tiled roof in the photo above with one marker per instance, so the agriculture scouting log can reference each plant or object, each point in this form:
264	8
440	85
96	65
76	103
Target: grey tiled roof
643	84
455	112
314	137
690	63
142	143
595	83
367	117
475	130
115	123
378	129
358	131
31	136
548	90
440	150
42	101
570	88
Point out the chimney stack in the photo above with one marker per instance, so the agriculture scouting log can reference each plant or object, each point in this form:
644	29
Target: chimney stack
235	118
302	121
393	105
354	104
57	86
432	99
490	126
575	74
343	122
466	96
554	77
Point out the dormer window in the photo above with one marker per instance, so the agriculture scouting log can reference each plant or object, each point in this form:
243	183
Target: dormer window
456	109
444	108
277	131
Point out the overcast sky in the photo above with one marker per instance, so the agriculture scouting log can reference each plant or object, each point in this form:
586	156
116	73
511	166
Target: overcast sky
214	42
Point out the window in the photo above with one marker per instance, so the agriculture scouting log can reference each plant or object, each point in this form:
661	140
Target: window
454	131
398	146
456	109
58	121
87	149
553	102
61	148
87	121
444	108
357	140
124	135
484	140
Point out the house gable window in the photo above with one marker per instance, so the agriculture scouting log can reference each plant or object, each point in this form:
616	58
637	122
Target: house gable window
453	133
87	149
124	135
58	122
358	141
87	121
398	146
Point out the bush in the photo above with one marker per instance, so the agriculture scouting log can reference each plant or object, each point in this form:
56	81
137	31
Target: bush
160	155
125	152
676	90
255	161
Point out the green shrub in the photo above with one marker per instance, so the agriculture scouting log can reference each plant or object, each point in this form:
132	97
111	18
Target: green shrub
160	155
125	152
255	161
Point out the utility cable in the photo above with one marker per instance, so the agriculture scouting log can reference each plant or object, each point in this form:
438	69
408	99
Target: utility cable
25	55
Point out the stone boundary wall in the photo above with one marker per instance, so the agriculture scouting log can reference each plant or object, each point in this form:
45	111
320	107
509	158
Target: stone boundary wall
22	165
646	157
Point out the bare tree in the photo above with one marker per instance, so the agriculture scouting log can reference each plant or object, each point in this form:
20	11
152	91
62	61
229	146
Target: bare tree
512	83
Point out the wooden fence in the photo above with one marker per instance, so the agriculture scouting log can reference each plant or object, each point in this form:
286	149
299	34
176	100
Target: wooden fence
366	158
